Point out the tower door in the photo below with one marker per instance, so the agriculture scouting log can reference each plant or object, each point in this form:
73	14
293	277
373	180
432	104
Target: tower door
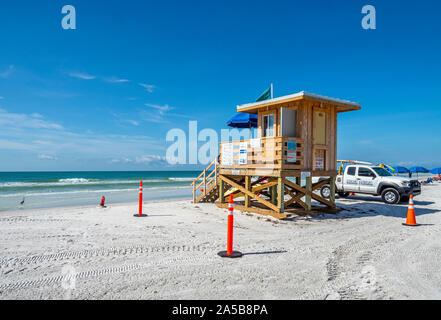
319	138
319	133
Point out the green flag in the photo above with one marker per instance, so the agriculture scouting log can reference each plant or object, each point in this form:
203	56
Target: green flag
268	94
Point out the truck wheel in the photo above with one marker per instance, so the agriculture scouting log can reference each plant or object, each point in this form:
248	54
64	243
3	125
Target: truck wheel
325	192
404	199
343	194
390	196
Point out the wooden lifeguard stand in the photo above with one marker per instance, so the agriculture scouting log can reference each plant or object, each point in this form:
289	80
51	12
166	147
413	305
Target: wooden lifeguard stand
297	140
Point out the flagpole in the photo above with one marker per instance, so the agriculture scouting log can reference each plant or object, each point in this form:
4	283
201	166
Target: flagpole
272	91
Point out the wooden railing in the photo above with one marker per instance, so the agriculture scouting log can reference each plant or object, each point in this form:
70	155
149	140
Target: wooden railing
208	178
271	152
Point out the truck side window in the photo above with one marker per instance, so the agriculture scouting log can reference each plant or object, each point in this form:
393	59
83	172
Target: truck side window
351	171
364	172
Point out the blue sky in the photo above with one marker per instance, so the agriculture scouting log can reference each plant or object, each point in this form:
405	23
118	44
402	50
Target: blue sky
103	96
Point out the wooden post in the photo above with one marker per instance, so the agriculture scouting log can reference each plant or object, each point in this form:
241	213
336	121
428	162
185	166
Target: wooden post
248	187
221	190
280	194
332	187
194	193
308	197
273	195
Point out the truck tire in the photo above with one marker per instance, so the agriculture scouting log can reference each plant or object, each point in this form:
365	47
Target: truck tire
404	199
325	191
343	194
390	196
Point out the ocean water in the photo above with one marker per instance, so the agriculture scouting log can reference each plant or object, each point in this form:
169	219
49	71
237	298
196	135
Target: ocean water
51	189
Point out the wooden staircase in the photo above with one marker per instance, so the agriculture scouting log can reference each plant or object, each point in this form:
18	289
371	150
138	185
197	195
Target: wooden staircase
208	189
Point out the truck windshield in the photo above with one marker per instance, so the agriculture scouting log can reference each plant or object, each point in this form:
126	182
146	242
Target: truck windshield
381	172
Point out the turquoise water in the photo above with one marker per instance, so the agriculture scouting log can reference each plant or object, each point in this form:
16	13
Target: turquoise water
49	189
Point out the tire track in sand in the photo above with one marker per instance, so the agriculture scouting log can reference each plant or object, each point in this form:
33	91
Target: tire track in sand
41	282
85	254
26	219
349	272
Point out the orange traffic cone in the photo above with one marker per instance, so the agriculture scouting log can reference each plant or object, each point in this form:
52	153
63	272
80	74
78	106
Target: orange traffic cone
411	222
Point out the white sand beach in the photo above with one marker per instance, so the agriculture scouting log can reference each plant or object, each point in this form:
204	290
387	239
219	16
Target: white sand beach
362	253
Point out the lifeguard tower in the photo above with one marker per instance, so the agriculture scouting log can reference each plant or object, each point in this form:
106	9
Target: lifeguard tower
296	141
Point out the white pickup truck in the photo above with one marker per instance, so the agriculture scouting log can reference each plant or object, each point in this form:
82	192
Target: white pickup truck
373	180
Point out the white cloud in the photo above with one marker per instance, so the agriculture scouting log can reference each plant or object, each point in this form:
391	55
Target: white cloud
46	138
83	76
47	157
149	159
116	80
122	119
148	87
41	142
124	160
133	122
33	121
15	145
7	73
162	109
407	163
158	116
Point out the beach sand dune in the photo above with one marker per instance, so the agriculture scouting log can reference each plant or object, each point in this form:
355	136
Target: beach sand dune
91	253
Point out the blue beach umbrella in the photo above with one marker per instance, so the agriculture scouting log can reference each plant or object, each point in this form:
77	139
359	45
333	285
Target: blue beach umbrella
436	171
243	120
418	170
401	169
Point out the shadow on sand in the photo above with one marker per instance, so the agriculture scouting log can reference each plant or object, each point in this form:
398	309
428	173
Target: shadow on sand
161	215
264	252
362	206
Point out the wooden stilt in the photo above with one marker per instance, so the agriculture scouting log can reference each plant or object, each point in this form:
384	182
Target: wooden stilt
248	187
273	195
308	194
255	210
280	194
332	187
